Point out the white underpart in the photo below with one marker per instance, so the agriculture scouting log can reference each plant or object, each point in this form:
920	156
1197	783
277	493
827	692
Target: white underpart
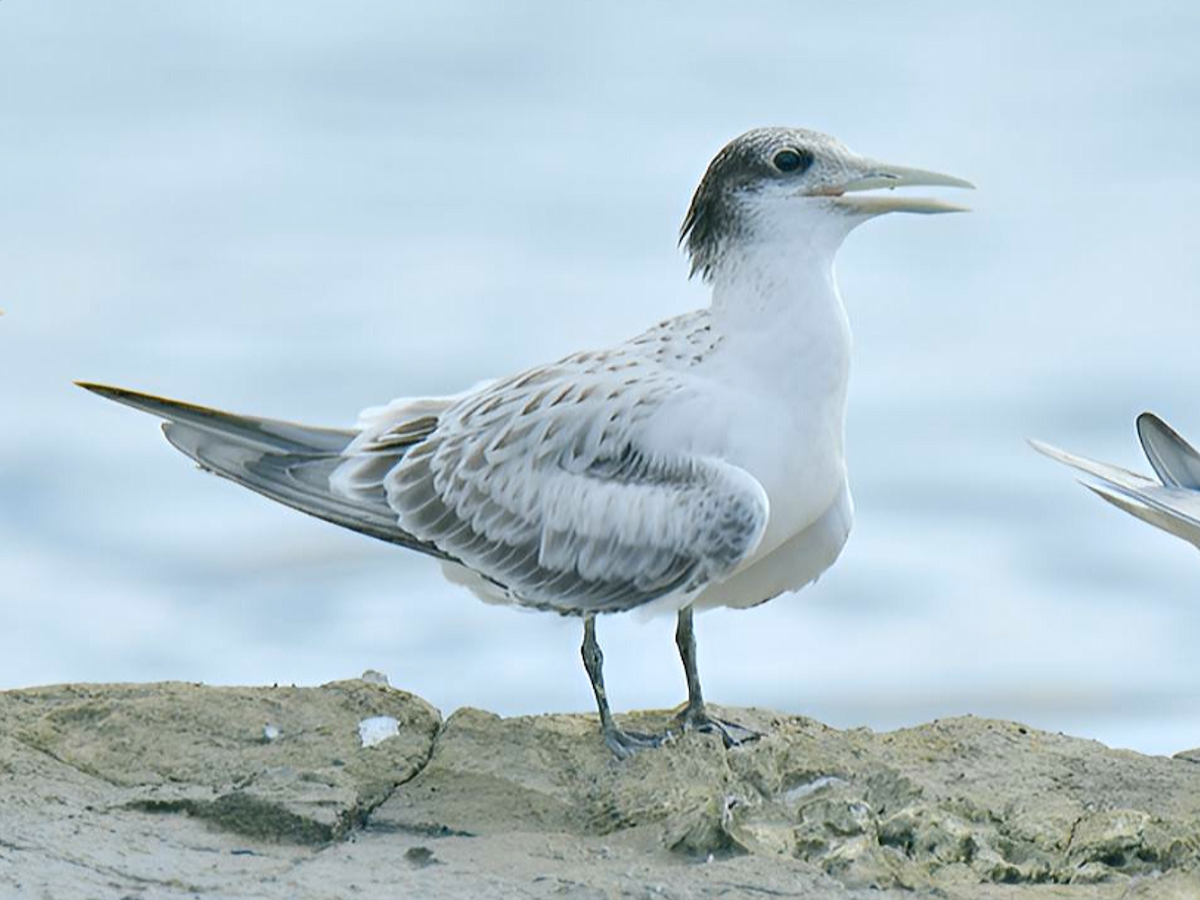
736	414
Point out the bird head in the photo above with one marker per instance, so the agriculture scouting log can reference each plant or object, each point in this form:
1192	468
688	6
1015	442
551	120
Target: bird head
795	185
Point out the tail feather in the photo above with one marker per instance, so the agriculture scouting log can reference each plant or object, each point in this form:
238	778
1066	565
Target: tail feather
287	462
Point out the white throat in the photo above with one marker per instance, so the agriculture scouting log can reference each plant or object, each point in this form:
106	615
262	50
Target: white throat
776	301
782	265
782	269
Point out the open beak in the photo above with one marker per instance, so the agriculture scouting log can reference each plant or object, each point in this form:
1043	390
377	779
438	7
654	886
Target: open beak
868	175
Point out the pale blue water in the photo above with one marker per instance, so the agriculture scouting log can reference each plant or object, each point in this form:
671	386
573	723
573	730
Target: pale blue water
302	209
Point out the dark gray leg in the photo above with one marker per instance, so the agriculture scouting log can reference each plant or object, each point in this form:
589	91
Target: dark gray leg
685	640
695	715
622	743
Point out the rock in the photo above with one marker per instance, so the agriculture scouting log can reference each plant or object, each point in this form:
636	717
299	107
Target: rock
273	764
172	790
374	676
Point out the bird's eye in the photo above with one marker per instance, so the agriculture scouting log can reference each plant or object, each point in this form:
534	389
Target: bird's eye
793	161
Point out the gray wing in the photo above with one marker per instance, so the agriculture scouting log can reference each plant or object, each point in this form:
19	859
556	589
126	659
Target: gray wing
543	485
1159	514
284	461
1171	508
1173	458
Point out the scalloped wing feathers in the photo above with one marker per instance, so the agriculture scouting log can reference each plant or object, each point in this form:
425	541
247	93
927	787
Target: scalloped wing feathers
541	485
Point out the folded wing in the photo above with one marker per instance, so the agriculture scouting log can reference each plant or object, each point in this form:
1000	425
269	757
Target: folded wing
543	485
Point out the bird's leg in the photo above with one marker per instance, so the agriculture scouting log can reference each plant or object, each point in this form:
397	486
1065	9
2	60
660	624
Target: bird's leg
622	743
695	715
685	640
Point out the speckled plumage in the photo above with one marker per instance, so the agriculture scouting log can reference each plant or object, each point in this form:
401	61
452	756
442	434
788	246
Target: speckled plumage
520	480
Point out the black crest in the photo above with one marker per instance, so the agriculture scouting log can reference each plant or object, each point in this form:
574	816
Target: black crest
715	217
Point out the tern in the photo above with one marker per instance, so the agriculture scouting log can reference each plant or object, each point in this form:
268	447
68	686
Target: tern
1172	502
696	465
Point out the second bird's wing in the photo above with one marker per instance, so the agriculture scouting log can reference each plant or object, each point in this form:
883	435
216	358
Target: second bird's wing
1157	511
1171	508
1173	458
1114	476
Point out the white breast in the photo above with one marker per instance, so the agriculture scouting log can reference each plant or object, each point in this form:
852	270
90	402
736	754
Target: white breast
783	367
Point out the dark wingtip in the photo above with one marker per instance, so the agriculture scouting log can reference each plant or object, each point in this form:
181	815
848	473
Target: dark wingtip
155	405
1148	419
103	390
1147	424
109	392
1174	460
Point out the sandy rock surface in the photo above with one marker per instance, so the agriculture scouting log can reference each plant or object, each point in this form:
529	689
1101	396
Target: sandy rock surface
355	789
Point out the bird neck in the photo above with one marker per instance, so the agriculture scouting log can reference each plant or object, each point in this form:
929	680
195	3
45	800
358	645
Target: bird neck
784	282
777	303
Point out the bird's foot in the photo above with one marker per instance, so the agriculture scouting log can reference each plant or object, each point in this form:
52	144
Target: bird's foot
624	744
731	733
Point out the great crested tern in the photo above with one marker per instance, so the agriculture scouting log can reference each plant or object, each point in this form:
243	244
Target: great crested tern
699	464
1171	503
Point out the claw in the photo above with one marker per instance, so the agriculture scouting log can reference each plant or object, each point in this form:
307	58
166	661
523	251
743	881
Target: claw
732	734
624	744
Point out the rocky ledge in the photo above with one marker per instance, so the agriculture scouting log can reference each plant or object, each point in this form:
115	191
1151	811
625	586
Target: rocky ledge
355	789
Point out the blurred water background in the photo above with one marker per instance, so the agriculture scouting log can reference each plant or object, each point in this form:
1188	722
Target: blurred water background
299	209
